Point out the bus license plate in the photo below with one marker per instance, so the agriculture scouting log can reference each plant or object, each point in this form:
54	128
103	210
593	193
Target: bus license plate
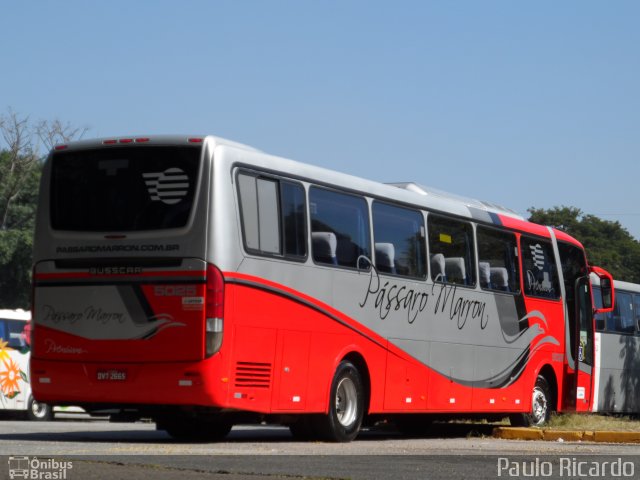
111	375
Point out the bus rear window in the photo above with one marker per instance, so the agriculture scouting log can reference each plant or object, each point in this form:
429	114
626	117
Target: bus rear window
123	189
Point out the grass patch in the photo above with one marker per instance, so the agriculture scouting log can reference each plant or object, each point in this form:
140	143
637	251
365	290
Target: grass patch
589	421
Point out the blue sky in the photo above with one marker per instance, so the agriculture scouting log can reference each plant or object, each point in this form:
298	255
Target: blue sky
526	104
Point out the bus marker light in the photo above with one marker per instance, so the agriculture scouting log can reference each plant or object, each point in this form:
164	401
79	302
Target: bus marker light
296	399
195	140
452	400
185	383
60	147
109	142
492	401
142	140
44	380
224	380
408	400
126	140
517	401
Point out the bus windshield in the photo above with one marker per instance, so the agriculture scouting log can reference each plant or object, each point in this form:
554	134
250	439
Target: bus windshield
123	189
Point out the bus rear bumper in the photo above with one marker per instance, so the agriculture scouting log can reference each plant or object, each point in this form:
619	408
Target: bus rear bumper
70	383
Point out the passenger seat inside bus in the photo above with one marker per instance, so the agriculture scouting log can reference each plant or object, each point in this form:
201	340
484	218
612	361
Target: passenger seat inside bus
500	279
437	267
324	247
455	270
385	258
484	270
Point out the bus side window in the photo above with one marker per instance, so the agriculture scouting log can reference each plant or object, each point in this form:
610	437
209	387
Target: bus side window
339	221
259	205
273	216
498	264
623	320
398	234
451	240
597	303
294	219
539	268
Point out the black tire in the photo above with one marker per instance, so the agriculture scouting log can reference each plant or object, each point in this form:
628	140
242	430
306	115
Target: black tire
346	406
38	412
191	430
541	406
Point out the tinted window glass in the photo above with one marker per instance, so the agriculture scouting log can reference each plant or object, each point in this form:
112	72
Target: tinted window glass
597	302
268	215
622	320
340	228
273	216
636	310
540	273
293	219
398	234
123	188
451	251
13	332
497	260
248	194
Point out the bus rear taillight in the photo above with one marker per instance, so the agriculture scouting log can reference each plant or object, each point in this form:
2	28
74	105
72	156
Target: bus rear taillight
214	310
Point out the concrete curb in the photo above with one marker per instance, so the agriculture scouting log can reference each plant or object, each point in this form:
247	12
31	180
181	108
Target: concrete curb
553	435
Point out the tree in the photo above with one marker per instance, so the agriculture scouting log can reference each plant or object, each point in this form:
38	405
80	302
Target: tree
20	169
608	244
17	164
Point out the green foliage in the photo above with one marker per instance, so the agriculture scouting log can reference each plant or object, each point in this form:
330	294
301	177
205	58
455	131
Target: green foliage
608	244
15	268
18	200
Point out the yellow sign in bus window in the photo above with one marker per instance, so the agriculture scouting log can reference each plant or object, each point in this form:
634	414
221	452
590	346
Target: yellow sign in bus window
444	238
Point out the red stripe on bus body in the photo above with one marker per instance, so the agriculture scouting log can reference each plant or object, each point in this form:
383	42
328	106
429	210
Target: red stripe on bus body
524	226
535	229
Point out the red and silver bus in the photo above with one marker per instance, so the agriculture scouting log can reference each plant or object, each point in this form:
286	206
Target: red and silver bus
204	283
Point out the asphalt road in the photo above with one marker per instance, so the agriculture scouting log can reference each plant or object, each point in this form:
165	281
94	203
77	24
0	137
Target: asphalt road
101	450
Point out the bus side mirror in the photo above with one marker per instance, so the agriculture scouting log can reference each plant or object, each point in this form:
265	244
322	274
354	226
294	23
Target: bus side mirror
606	289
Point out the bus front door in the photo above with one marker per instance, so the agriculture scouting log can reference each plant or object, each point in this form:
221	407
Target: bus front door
583	345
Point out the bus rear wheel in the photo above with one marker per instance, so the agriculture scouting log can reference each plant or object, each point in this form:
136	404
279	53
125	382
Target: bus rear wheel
346	406
541	406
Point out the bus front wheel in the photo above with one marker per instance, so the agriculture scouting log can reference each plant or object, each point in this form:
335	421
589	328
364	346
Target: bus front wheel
346	406
541	406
